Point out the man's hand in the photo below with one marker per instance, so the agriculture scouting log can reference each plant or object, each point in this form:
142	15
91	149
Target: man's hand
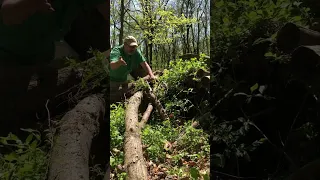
121	61
16	11
117	64
152	77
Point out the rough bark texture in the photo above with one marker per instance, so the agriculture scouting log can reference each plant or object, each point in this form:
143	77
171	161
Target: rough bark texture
292	36
134	161
70	153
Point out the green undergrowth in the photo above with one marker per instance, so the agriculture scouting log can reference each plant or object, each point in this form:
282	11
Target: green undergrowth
28	158
237	31
172	147
25	158
239	25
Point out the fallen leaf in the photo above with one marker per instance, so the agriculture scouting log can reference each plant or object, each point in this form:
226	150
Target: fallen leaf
168	156
168	146
192	163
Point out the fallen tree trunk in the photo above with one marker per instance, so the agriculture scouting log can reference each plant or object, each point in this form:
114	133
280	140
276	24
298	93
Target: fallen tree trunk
291	36
62	93
205	81
67	84
308	172
305	63
135	163
70	153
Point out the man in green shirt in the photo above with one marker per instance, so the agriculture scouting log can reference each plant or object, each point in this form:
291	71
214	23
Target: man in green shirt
123	60
28	30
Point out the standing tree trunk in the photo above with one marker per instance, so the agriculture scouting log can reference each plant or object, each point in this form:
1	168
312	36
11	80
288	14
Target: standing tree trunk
174	52
121	22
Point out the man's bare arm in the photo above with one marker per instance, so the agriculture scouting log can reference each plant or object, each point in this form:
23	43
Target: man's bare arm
147	68
117	64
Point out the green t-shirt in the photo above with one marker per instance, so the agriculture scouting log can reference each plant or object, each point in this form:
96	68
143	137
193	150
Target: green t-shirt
133	61
33	41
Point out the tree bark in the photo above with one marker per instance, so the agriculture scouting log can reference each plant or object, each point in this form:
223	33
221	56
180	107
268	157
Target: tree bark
291	36
134	161
70	153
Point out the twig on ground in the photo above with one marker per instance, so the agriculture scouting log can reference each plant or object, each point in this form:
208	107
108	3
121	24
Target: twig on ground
229	175
277	148
291	127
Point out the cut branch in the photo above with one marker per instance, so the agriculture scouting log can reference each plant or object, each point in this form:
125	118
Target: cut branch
146	116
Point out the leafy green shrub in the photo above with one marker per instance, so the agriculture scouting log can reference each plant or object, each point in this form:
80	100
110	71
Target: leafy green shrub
155	137
117	129
178	71
26	160
236	21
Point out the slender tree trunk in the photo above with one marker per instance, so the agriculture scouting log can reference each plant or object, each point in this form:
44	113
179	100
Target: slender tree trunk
198	39
193	40
147	49
121	22
205	25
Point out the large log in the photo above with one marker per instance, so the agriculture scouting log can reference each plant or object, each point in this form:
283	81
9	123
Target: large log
135	163
305	64
63	87
291	36
308	172
70	152
66	84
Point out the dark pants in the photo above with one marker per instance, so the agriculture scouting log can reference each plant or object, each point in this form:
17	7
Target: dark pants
15	101
117	91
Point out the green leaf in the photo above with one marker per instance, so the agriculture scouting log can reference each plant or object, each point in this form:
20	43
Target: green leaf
13	137
269	54
254	87
34	144
206	177
274	36
219	4
3	140
226	20
26	168
252	15
29	138
11	157
28	130
262	139
297	18
194	173
297	3
238	30
260	40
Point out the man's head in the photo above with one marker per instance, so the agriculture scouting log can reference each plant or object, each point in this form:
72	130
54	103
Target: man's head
130	45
